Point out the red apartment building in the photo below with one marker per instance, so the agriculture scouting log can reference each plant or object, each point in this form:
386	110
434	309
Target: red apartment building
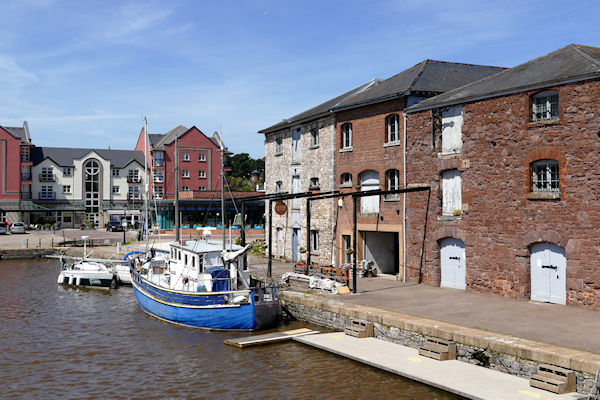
369	156
512	161
15	167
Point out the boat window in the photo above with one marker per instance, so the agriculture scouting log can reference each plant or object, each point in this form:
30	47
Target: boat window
193	262
200	264
185	259
179	254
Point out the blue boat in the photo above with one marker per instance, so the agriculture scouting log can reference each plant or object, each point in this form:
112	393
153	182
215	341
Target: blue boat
205	287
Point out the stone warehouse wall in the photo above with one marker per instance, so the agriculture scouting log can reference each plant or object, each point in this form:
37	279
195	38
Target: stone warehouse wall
316	161
501	353
500	220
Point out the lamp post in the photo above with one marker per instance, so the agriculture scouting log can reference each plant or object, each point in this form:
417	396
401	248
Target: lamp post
124	224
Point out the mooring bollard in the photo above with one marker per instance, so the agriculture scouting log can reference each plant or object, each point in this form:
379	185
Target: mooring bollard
118	248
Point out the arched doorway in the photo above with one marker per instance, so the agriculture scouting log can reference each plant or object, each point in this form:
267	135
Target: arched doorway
548	273
453	263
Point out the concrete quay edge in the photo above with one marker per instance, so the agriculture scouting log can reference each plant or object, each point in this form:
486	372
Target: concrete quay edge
522	348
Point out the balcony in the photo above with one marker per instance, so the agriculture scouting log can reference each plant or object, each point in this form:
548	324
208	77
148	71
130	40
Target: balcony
25	176
47	178
47	195
157	196
25	158
134	179
25	195
134	196
158	163
158	179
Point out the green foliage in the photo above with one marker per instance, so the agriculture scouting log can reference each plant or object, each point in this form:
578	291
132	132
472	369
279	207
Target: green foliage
242	165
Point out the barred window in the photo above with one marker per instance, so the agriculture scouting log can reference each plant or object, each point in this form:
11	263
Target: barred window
544	105
545	176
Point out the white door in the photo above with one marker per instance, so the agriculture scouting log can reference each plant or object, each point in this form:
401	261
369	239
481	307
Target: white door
452	130
453	263
451	191
295	244
548	273
369	180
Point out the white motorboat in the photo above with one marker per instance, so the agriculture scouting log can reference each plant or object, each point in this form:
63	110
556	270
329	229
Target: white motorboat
86	273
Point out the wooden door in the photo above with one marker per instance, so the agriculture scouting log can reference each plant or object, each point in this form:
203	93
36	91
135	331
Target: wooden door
453	263
548	273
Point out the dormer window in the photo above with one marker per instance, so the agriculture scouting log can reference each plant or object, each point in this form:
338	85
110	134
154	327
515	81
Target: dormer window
544	106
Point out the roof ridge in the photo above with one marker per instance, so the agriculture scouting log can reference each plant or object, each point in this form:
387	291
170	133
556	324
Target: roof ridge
420	73
577	48
469	64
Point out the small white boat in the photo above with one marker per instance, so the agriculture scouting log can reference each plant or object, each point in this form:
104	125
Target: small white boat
89	274
123	273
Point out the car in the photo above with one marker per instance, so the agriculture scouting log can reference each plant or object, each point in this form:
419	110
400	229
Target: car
3	228
17	227
114	226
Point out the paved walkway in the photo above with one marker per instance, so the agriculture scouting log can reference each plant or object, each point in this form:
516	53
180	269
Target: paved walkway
565	326
457	377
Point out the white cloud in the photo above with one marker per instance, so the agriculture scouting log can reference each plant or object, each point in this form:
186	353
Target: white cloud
12	76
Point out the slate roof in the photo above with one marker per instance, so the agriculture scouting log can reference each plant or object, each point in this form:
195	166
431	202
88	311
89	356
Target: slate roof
64	156
319	110
21	132
427	77
169	137
572	62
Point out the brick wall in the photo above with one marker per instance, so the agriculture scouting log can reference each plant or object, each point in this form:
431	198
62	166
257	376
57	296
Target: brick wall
499	223
369	153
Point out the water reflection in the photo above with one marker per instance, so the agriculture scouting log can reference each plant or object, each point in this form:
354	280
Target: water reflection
71	344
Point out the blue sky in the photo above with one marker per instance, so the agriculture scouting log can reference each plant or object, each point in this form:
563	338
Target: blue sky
83	73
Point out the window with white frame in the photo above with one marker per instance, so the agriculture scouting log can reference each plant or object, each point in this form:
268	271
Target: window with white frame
47	175
544	106
66	188
544	176
158	158
202	174
392	127
278	146
134	192
347	247
279	187
115	189
185	156
314	183
452	192
201	157
158	192
46	193
133	175
314	137
185	188
67	171
346	180
158	176
185	173
392	183
114	172
202	188
347	136
314	240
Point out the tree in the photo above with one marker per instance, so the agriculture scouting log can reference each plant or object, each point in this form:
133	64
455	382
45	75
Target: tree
242	165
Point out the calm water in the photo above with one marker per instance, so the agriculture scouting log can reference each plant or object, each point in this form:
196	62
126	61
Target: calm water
72	344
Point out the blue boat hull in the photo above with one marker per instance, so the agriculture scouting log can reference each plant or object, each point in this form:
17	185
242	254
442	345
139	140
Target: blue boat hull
207	311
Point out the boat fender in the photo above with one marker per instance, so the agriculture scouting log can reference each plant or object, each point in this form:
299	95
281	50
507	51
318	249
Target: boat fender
186	280
78	281
238	299
71	279
61	278
138	266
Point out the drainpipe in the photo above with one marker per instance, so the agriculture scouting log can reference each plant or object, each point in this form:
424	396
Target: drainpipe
404	203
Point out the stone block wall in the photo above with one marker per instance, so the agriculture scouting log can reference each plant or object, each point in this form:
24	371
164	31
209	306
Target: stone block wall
500	220
316	161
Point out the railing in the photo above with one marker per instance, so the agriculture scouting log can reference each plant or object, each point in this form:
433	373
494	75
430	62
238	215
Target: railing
134	179
158	179
158	163
134	196
25	176
47	195
26	195
47	178
157	196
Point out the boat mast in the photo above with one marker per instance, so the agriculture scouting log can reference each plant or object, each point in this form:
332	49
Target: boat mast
176	189
146	186
222	189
